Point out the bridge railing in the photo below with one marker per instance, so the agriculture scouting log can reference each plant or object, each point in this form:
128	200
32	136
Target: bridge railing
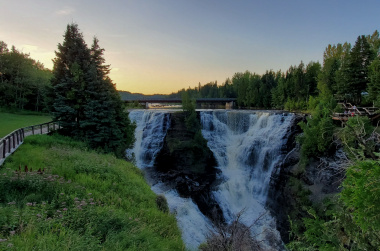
13	140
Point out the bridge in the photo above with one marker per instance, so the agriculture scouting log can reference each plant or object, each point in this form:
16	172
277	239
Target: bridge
228	103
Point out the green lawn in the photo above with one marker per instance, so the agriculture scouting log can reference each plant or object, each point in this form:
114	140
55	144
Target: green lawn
10	121
81	201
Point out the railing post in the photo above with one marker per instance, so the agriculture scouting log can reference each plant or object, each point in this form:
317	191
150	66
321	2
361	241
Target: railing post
23	134
9	144
33	130
41	128
13	139
4	147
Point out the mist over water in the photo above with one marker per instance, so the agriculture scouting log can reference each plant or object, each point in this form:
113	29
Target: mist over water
247	147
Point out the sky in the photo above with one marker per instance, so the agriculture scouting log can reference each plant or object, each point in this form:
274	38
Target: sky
162	46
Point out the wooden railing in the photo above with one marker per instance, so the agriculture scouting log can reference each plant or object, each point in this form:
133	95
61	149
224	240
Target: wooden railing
12	141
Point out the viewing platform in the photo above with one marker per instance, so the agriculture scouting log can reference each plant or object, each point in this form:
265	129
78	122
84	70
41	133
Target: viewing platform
351	111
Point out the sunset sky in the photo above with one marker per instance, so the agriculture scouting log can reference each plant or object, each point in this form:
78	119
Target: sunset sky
161	46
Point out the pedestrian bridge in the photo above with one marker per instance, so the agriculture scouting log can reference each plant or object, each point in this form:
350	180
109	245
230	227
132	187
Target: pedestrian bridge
210	103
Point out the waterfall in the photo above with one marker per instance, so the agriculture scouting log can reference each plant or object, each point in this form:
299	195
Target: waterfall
247	147
151	128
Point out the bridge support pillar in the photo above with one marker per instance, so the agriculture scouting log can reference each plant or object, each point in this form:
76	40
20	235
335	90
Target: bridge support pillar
146	105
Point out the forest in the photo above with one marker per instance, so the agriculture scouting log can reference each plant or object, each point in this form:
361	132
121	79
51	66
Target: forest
349	73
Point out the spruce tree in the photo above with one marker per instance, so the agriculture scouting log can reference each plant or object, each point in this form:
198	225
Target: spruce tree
71	75
360	58
106	124
86	101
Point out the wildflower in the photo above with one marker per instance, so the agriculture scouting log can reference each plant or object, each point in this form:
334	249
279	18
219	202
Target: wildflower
4	174
12	232
43	203
89	193
10	245
12	203
29	204
69	181
58	211
76	198
92	203
38	215
2	240
91	199
63	203
61	193
65	209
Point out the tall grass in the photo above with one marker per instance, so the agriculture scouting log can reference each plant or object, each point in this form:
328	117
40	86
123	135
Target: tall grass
70	198
12	121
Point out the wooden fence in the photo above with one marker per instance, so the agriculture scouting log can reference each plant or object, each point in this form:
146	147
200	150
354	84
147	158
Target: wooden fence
12	141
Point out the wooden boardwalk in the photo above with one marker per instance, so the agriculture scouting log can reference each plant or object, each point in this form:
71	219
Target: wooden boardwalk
12	141
352	111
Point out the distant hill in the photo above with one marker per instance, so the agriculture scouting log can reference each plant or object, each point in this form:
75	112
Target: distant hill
125	95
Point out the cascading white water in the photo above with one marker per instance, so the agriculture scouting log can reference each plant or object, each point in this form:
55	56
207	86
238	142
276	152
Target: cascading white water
246	145
151	128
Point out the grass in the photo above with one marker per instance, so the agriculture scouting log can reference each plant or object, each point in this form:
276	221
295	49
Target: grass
12	121
81	201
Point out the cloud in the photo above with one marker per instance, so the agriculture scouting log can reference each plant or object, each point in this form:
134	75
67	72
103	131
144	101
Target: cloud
65	11
29	48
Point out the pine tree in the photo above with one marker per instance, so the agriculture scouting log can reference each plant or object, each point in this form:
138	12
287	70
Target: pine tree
71	76
360	58
106	124
86	101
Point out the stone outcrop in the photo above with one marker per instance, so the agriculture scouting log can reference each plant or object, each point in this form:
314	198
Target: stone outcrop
186	163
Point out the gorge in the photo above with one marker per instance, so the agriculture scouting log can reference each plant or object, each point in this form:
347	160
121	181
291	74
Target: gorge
249	148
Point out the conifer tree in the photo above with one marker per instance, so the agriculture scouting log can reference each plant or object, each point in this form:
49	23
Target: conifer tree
71	75
360	58
106	124
86	101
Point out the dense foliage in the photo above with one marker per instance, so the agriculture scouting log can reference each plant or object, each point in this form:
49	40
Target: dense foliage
71	198
85	100
348	72
24	82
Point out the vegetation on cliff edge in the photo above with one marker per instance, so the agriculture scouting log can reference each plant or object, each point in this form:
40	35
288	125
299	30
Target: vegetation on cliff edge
58	195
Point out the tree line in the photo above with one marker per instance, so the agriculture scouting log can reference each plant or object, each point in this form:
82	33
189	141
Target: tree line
350	73
77	92
24	82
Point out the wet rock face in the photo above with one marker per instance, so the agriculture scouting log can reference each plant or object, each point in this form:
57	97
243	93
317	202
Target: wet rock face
320	178
189	166
279	197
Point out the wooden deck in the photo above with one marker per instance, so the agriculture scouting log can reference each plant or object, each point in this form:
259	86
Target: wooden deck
352	111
